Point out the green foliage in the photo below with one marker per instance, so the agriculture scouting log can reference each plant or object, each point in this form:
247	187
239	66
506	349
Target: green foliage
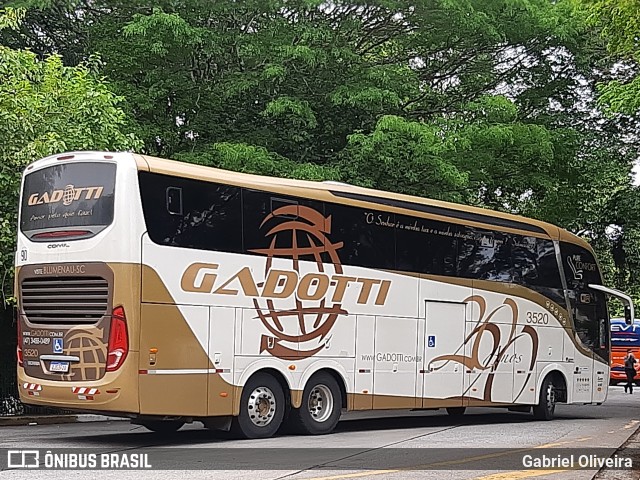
619	23
622	97
46	108
11	17
488	102
245	158
403	156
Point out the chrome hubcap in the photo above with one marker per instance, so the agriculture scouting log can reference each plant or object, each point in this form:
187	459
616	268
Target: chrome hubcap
261	406
320	404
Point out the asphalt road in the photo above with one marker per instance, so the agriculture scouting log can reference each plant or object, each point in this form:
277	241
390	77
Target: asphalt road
486	444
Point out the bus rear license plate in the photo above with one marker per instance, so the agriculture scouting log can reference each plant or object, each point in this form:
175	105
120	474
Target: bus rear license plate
62	367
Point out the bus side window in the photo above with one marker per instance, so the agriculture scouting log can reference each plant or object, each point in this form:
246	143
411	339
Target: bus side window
368	236
536	267
426	246
259	222
174	200
485	255
277	203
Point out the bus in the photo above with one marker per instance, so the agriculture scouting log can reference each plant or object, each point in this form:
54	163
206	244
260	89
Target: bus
623	338
169	292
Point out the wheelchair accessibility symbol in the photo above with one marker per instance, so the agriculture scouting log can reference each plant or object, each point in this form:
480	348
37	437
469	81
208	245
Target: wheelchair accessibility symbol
57	345
431	341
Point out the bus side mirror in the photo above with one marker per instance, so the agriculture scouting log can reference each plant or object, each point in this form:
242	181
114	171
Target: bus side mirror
629	311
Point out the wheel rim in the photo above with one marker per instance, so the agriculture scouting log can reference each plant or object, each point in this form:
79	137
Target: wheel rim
320	404
261	406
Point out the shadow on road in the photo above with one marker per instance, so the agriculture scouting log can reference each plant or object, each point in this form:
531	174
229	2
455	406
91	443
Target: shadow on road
138	436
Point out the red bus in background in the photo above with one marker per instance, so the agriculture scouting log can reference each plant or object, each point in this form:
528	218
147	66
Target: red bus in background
623	337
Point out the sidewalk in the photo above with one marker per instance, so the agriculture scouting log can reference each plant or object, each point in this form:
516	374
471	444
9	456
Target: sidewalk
19	420
630	449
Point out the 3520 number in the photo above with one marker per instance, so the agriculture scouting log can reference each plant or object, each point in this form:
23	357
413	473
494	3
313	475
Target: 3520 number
538	318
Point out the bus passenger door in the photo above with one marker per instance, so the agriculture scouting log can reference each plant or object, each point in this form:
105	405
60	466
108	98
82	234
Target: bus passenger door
581	374
442	374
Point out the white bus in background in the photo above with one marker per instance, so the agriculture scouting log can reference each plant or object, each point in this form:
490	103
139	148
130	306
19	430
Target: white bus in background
169	292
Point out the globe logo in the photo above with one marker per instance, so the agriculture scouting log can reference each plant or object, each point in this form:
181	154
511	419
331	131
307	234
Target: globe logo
298	329
68	195
92	351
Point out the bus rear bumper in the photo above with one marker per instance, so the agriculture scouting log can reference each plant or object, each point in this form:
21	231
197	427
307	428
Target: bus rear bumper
109	394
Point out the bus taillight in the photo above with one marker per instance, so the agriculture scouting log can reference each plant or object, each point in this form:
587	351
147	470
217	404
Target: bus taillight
19	346
118	340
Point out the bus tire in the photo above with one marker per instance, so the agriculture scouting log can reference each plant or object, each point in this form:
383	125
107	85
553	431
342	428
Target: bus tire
456	411
262	408
321	406
546	406
162	426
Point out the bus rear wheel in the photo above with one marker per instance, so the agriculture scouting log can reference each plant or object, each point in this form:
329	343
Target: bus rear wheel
546	406
162	426
321	406
262	408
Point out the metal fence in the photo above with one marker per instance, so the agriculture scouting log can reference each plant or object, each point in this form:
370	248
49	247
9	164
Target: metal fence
9	401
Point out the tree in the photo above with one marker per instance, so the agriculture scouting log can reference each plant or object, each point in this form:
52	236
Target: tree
298	77
46	108
487	102
620	27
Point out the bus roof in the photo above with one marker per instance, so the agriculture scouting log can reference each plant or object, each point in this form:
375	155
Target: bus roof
360	196
343	193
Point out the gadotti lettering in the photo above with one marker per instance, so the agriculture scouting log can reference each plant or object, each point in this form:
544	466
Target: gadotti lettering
68	195
202	278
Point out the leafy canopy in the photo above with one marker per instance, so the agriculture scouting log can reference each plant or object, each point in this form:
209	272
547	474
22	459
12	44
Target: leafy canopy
488	102
46	108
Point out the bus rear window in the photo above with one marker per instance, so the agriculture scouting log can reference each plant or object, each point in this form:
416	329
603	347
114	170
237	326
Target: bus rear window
72	200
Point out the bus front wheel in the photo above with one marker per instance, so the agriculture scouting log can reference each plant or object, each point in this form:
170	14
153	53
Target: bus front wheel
262	408
321	406
547	403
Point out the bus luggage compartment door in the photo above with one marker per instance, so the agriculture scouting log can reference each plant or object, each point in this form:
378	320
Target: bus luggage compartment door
173	359
442	375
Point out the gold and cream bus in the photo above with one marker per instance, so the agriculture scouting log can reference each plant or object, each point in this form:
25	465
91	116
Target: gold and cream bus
170	292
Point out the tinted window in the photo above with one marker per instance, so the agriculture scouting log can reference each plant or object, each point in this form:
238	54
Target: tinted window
203	215
368	235
283	226
589	306
485	255
425	246
68	195
536	267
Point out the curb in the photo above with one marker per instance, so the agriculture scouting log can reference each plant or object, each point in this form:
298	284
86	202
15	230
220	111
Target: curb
30	420
629	449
